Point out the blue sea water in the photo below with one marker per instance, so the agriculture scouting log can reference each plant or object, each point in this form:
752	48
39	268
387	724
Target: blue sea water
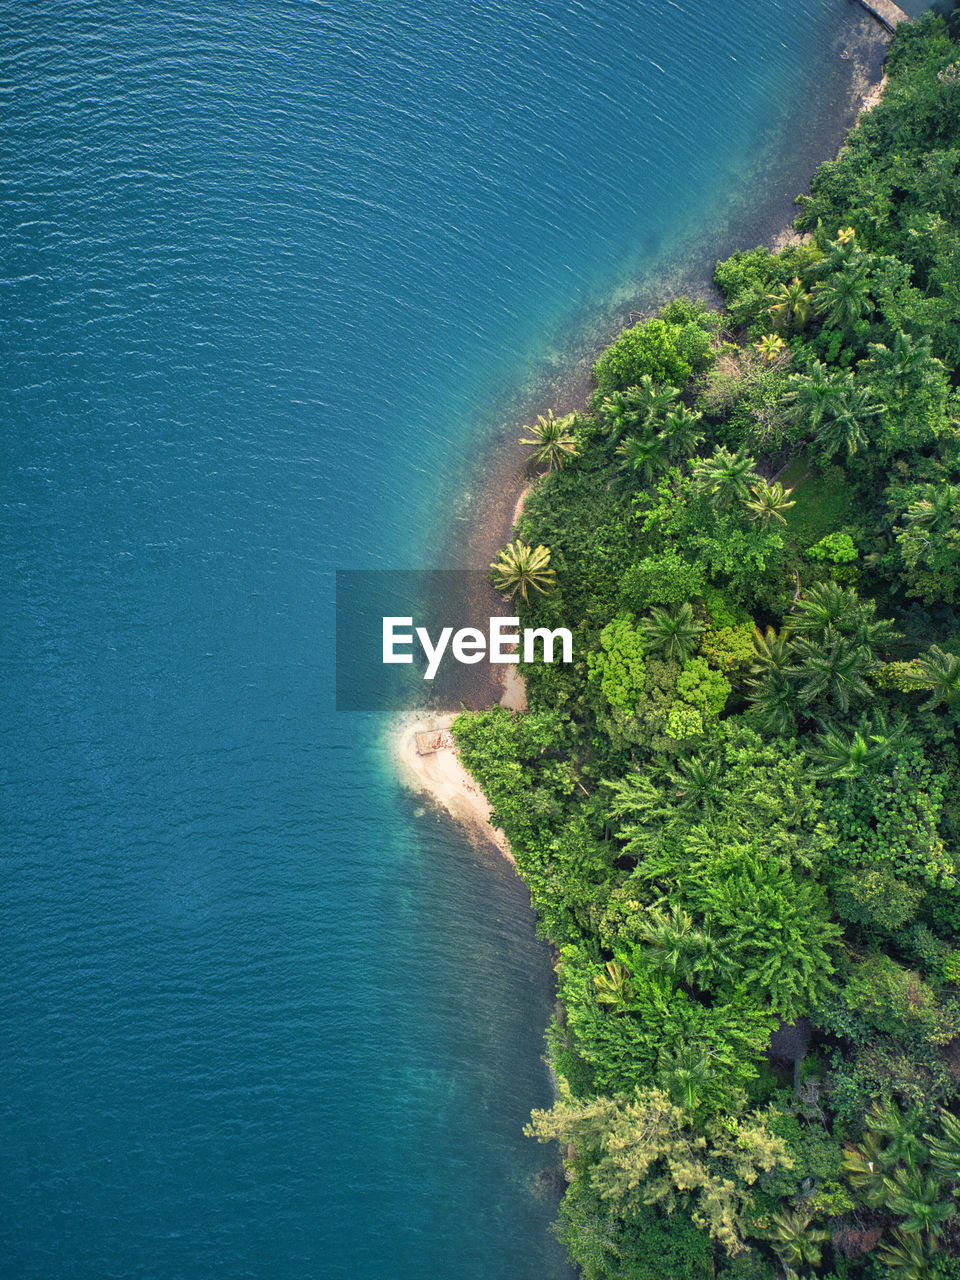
268	270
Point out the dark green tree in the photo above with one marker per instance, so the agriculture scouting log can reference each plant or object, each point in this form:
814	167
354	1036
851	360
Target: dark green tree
644	455
725	478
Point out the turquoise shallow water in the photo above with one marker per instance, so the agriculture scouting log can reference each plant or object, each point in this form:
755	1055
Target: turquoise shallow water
267	270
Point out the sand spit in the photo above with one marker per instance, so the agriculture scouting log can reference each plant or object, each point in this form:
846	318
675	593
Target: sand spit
442	777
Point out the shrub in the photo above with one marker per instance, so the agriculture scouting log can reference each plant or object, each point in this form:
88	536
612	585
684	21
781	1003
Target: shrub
835	548
703	688
747	393
618	666
729	647
876	899
669	353
662	579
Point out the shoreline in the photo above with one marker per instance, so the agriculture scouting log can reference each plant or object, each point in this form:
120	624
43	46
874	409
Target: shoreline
443	779
499	503
566	387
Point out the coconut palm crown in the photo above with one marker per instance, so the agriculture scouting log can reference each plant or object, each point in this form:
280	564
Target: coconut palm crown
673	632
725	477
790	305
520	567
768	502
551	439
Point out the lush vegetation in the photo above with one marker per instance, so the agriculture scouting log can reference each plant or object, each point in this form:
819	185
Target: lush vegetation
738	811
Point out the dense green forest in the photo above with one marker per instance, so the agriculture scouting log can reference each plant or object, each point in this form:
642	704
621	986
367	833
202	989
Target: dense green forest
738	810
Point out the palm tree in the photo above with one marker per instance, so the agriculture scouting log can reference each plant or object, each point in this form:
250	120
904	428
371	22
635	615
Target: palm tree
938	672
841	754
680	431
825	605
667	938
945	1146
866	1167
614	986
918	1199
908	360
700	784
811	394
871	632
672	631
638	406
552	439
672	943
937	511
909	1257
773	696
772	650
843	251
795	1239
519	567
833	670
620	413
843	298
646	454
900	1132
844	425
725	477
828	605
653	399
684	1071
770	346
791	305
768	502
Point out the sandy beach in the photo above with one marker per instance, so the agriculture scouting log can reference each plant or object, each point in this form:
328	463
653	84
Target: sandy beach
443	778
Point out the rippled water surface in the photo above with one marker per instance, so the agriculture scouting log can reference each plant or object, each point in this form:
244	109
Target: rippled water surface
267	267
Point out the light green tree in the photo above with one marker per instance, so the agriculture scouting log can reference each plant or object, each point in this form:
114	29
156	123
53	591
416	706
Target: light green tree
646	1149
618	665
